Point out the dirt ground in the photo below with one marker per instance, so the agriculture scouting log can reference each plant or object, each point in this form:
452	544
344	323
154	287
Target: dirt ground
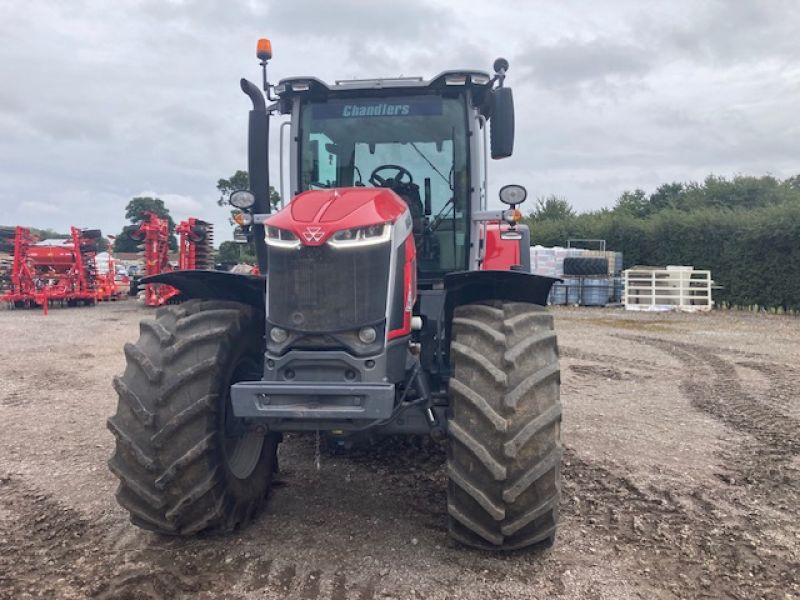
681	478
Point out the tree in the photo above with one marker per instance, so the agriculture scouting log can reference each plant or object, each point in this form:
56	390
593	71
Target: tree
137	211
552	208
241	181
666	196
634	203
49	234
238	181
233	252
228	252
792	183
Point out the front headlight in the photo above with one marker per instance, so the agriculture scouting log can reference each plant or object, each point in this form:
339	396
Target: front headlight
282	238
278	335
513	194
367	335
361	236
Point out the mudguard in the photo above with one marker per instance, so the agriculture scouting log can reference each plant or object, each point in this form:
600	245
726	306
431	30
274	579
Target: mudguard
215	285
466	287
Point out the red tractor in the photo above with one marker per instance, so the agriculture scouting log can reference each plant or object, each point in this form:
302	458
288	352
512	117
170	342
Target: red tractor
392	300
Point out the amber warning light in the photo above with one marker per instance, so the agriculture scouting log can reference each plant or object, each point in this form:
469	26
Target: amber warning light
264	49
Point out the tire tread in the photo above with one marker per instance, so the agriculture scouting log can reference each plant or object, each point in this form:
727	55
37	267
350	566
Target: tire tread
504	452
172	474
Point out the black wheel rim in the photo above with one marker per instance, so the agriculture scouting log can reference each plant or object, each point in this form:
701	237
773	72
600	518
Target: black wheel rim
242	445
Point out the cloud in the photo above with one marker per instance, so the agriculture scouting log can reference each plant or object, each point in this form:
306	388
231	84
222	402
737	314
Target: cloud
35	208
179	205
571	63
102	100
730	33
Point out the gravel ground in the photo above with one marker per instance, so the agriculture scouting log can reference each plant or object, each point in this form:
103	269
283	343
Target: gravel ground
682	478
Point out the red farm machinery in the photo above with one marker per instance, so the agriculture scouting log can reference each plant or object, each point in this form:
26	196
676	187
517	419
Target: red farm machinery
195	252
59	271
394	299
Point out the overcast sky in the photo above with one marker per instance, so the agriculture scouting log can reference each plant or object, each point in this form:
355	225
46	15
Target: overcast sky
102	101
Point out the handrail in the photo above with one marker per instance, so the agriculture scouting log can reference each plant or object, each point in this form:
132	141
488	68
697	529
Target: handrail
280	160
485	199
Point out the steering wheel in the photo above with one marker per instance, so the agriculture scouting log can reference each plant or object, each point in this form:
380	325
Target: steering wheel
384	181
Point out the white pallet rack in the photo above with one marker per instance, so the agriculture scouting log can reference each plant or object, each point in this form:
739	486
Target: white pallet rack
671	288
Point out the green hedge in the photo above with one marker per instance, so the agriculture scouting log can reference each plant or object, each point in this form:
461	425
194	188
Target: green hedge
754	254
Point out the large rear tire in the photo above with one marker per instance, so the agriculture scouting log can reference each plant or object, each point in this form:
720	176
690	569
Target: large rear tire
185	464
504	448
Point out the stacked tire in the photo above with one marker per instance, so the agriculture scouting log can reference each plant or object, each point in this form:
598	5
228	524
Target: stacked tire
586	266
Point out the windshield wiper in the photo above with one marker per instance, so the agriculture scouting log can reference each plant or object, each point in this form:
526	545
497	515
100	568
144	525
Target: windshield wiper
446	180
440	217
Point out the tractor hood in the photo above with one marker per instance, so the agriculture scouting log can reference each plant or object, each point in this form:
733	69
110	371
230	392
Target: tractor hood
314	216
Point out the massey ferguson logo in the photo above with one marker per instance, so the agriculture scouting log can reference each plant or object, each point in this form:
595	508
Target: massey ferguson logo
313	234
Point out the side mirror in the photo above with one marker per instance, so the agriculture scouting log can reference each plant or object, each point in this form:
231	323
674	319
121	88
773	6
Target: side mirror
501	123
513	194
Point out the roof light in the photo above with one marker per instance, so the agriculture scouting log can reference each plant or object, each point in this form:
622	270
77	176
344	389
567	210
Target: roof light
455	80
301	87
480	79
280	89
264	49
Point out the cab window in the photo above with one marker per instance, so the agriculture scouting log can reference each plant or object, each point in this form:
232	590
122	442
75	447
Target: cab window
415	145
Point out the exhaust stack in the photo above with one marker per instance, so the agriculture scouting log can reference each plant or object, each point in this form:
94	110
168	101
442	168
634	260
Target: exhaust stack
258	164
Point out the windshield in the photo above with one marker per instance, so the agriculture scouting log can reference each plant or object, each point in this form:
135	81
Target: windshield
415	145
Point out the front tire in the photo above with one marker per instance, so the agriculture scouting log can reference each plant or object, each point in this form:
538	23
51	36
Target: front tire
504	448
185	464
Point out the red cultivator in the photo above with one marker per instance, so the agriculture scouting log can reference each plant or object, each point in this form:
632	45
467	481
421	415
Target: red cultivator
196	245
107	286
61	273
195	252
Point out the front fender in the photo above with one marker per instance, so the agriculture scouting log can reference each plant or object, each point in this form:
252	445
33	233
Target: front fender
466	287
215	285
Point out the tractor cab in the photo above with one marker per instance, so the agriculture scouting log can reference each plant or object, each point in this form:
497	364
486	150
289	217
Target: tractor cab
424	140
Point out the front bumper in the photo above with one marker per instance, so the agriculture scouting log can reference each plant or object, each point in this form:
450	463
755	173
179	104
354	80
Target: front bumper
312	400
